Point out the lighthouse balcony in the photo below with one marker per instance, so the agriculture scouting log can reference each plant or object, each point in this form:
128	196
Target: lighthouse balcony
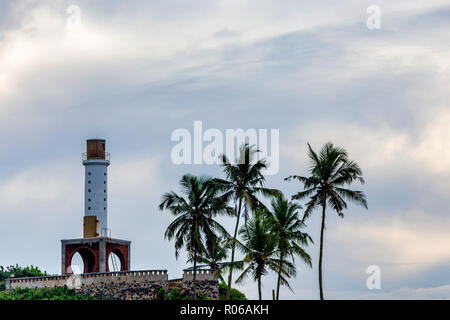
104	156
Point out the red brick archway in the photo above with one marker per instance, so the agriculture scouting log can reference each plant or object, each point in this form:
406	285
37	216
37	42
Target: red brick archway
121	251
89	254
95	253
88	257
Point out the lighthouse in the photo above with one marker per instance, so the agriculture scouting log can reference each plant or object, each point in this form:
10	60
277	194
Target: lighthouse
96	162
97	245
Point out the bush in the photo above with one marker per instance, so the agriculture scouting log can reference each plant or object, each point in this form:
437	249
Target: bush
19	272
234	293
57	293
181	294
161	294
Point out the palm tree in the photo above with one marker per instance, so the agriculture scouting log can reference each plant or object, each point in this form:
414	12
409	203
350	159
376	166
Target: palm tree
195	211
213	256
259	247
330	171
286	228
244	180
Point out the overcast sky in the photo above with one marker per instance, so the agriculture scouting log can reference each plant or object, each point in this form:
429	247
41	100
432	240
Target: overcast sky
134	71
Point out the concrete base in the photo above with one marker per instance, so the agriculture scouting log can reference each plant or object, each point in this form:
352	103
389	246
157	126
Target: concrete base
95	253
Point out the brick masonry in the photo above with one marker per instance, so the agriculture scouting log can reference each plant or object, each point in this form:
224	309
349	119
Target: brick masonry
95	253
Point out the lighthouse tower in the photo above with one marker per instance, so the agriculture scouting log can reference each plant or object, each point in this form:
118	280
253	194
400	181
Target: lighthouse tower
97	245
96	162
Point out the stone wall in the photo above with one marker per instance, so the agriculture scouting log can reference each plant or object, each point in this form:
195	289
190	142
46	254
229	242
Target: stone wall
124	285
207	283
202	274
124	290
132	285
207	288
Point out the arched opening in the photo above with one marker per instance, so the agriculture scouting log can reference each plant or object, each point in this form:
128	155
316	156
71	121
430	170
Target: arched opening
82	261
115	261
76	264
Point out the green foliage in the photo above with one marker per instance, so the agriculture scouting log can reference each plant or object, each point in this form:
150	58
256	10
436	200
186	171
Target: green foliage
57	293
194	210
261	255
174	294
330	172
180	294
214	256
286	228
234	293
245	181
161	294
19	272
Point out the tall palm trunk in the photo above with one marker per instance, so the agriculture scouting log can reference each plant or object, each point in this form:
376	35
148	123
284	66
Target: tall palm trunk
195	273
233	246
322	228
279	278
259	289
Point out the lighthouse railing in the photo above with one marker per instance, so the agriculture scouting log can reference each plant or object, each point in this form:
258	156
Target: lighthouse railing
107	156
105	233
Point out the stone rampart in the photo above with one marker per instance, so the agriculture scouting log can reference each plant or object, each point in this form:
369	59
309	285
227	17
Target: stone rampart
123	285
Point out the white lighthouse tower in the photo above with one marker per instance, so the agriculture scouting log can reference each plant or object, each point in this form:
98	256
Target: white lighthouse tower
96	162
97	246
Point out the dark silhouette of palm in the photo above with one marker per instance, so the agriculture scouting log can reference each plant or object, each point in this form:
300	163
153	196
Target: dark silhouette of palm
330	171
195	209
259	248
244	180
214	256
286	228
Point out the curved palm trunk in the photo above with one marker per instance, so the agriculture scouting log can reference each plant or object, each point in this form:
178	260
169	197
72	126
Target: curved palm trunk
259	289
279	278
233	246
195	273
322	228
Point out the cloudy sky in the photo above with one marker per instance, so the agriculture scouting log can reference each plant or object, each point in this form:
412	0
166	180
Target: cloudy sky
134	71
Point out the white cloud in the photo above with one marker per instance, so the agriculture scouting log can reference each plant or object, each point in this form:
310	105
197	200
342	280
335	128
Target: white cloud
412	238
381	149
433	148
139	172
122	52
42	41
441	292
47	183
403	293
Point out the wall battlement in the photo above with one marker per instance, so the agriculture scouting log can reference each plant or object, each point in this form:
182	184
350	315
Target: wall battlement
122	285
86	279
202	274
